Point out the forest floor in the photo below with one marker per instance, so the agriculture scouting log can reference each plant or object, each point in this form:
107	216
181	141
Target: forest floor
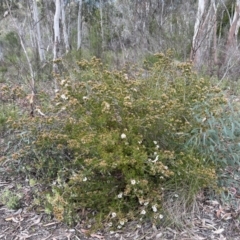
210	220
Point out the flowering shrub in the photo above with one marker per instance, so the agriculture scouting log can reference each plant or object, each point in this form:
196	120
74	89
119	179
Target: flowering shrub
109	145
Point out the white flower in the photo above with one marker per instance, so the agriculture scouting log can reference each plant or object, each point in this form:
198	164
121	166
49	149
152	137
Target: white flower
110	224
146	203
85	98
63	82
125	76
85	179
119	226
120	195
133	182
157	147
143	212
160	216
123	136
154	208
114	214
63	96
166	167
155	142
106	106
155	153
176	195
121	222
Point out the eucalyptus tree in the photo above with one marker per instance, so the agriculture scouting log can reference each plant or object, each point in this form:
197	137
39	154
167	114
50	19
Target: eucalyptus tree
79	25
204	31
37	22
229	59
234	27
214	42
56	47
63	4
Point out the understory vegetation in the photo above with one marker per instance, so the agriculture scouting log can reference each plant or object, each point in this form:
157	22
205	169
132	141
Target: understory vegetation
110	145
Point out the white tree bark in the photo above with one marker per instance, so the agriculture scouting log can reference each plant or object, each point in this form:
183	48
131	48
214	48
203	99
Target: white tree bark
79	26
200	12
38	32
65	32
234	28
230	59
203	38
215	54
56	35
101	23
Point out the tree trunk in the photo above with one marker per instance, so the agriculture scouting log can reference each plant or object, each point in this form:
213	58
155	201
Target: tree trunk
65	33
38	32
101	24
215	54
197	29
203	38
79	30
233	31
162	11
229	64
56	46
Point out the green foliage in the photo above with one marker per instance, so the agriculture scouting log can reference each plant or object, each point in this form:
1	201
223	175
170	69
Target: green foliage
150	60
219	140
12	39
109	146
12	43
95	40
6	112
10	199
11	54
153	26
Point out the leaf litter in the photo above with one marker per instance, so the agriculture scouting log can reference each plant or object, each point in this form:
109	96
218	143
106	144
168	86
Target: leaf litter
210	219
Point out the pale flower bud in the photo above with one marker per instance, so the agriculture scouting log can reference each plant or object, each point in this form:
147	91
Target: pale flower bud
133	182
123	136
143	212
